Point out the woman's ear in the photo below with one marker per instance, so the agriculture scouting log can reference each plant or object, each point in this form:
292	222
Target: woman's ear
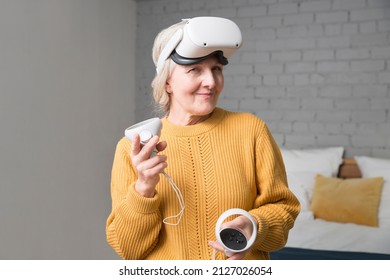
168	88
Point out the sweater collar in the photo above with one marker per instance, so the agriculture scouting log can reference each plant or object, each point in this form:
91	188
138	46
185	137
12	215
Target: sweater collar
193	130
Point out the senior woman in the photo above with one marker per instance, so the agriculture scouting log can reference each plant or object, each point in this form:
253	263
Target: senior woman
218	160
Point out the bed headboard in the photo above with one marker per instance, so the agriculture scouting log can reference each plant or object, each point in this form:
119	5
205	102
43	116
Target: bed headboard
349	169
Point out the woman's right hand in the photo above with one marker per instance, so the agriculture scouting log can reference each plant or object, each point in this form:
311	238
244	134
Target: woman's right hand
148	168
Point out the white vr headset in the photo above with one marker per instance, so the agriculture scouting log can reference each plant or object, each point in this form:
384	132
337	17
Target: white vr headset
200	38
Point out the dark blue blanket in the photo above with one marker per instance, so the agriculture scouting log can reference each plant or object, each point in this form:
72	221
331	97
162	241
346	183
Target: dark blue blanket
288	253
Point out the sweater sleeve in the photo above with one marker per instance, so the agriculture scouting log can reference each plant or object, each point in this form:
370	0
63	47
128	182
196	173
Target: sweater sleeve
133	226
275	207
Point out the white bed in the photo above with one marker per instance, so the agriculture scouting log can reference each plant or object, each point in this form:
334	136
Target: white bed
332	229
324	235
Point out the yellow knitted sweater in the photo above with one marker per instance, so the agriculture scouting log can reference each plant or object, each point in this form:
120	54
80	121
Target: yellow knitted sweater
228	161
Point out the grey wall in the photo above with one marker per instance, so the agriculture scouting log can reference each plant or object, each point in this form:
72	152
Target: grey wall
67	84
317	71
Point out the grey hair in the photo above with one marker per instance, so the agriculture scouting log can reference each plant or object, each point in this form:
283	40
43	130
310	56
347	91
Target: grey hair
160	95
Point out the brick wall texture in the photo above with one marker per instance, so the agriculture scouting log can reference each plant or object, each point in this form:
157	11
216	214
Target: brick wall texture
316	71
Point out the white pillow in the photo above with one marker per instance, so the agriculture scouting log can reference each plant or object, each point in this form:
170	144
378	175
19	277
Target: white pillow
302	184
302	166
377	167
313	160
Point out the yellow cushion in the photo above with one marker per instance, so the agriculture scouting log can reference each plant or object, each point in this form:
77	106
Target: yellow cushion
347	200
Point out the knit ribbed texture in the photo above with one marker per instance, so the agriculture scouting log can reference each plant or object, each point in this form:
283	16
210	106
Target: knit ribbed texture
228	161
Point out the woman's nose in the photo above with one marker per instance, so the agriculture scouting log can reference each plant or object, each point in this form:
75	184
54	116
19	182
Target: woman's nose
209	79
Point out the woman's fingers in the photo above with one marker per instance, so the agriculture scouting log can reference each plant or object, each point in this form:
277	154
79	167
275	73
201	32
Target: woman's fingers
229	254
152	166
136	145
148	167
141	152
161	146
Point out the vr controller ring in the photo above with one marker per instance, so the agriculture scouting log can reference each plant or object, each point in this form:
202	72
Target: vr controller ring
232	239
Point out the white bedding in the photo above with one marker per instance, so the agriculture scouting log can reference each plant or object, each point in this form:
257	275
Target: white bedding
310	233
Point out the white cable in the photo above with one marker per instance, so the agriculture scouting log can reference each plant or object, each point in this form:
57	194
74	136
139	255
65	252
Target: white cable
179	198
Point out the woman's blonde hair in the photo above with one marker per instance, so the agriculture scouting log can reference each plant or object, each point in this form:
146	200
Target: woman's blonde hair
160	96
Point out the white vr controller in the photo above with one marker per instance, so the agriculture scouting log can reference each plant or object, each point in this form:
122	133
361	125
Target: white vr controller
146	130
233	239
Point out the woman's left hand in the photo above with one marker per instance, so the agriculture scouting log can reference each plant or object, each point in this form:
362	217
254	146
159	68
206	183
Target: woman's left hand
242	223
